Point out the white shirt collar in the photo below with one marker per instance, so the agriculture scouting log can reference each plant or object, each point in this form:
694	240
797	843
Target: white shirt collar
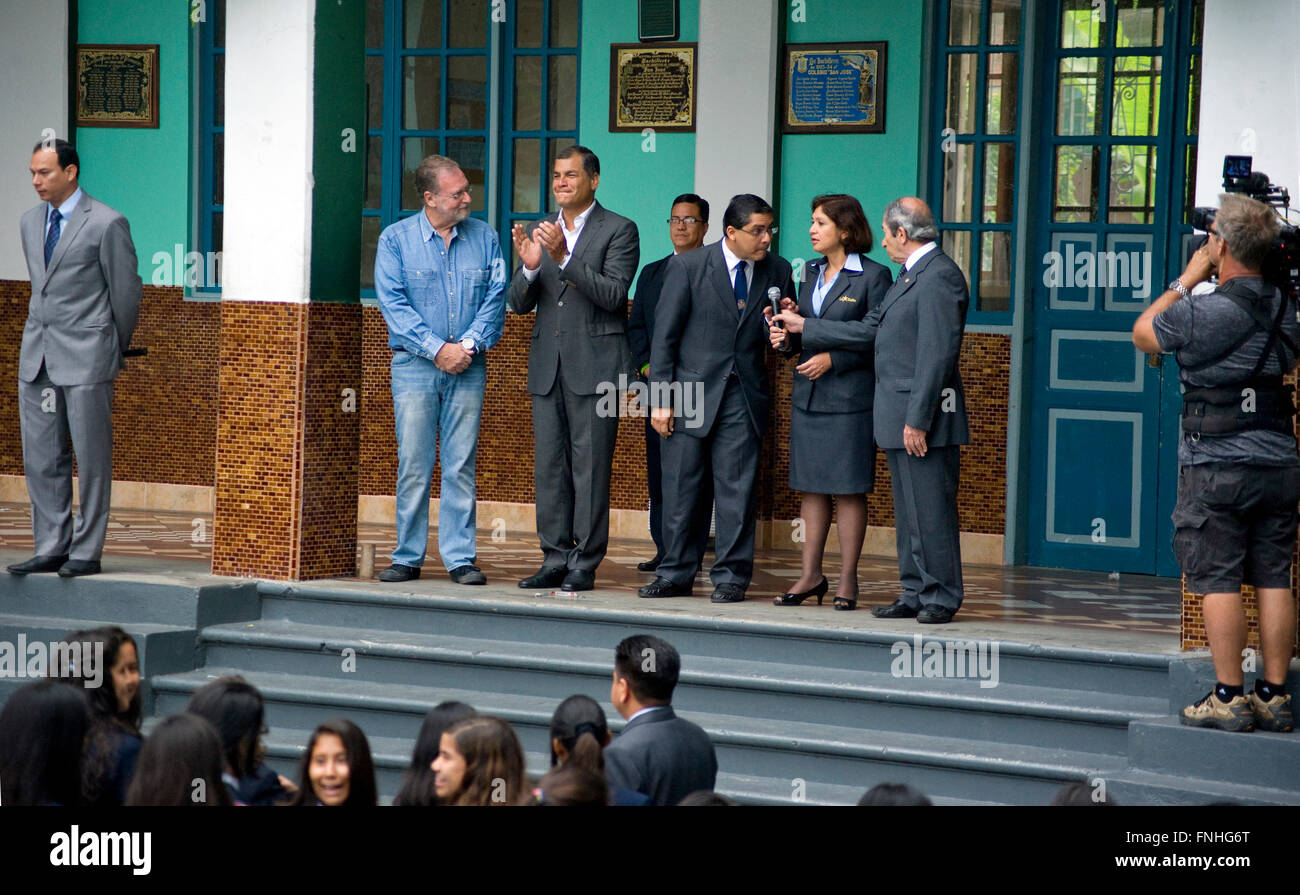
920	253
645	711
580	219
731	257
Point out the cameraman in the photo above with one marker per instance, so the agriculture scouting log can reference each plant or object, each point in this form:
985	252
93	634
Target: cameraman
1238	469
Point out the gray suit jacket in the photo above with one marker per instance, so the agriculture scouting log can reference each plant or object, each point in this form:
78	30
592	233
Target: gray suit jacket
663	756
917	331
582	309
85	305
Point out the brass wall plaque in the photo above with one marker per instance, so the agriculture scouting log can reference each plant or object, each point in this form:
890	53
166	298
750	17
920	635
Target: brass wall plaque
652	86
117	85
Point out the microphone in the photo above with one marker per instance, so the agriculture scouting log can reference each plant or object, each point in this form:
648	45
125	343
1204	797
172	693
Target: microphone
774	299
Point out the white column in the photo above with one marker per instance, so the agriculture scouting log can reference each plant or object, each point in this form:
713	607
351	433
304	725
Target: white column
268	184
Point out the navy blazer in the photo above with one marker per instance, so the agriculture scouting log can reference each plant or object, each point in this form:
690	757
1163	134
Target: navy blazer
849	386
663	756
641	320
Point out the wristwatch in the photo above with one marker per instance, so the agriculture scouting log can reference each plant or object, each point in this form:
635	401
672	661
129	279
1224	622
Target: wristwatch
1177	286
468	344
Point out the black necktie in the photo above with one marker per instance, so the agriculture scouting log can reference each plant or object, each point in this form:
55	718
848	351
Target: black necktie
52	238
741	287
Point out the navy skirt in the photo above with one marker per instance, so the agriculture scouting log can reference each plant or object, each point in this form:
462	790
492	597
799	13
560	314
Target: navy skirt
831	453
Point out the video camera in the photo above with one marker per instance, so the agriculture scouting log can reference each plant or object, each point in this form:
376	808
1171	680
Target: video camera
1282	266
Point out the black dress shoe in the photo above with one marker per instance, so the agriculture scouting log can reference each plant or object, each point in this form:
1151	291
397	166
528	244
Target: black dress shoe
546	577
467	574
662	587
796	599
399	572
728	593
649	565
934	614
38	564
76	567
896	609
578	579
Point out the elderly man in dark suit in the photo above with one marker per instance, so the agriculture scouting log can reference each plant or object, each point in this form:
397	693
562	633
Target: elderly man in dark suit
710	395
658	754
688	221
920	407
575	271
84	307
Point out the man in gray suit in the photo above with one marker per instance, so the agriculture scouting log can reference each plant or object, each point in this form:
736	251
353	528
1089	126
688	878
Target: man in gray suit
84	306
658	754
920	407
575	271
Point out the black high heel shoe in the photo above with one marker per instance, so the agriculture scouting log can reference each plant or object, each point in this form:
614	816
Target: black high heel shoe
844	604
818	591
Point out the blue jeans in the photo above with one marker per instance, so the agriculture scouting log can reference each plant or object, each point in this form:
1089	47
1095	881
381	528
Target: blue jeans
432	406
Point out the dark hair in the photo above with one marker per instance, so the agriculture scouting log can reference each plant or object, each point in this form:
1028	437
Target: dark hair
846	214
704	797
579	724
235	709
180	761
651	685
894	795
66	152
42	732
698	201
417	784
491	752
362	791
573	786
741	208
590	163
1077	794
107	724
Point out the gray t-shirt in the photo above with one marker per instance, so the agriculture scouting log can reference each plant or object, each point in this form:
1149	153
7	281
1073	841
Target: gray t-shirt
1203	326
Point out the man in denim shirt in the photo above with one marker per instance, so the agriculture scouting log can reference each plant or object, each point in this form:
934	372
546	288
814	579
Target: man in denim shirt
441	282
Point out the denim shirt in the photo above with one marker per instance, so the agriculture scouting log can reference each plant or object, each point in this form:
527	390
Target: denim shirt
431	293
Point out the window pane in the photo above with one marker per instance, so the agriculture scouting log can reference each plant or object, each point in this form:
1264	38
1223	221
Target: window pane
218	231
1139	23
530	23
374	24
1075	175
999	182
528	93
1132	184
1083	24
553	148
958	183
369	246
1198	21
423	93
956	245
423	24
964	23
467	94
527	194
1004	22
218	169
1077	98
995	272
374	187
471	154
564	23
468	24
1189	184
961	92
1135	109
374	91
1194	97
1004	89
564	93
219	36
414	150
219	89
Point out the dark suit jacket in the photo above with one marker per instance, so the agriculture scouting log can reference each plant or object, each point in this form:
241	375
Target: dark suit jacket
850	385
663	756
641	319
582	309
917	331
700	336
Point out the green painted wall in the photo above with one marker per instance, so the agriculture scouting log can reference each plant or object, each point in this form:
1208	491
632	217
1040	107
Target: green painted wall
637	184
876	168
144	173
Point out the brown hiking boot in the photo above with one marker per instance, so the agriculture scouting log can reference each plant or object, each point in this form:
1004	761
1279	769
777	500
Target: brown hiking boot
1235	715
1274	715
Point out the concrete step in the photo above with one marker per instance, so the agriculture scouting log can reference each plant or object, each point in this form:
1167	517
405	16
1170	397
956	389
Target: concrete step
1165	746
129	599
1137	787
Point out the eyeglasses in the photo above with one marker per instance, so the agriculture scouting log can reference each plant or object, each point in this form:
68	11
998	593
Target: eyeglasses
759	232
456	196
690	222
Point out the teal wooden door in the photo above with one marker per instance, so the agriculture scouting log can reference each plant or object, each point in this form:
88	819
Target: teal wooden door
1116	151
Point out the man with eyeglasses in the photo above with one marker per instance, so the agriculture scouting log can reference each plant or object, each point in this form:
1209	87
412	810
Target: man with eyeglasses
440	280
711	338
687	223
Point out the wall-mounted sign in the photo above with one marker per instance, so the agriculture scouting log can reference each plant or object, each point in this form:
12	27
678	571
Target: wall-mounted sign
657	19
652	86
117	85
834	88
